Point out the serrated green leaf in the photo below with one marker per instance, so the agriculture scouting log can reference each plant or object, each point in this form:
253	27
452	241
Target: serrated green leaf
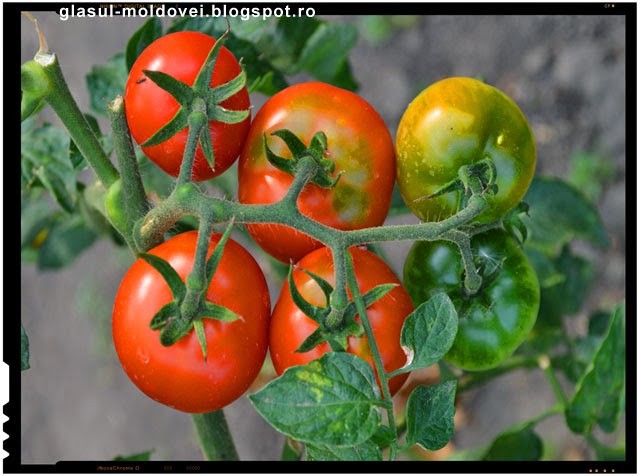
66	240
599	398
367	451
150	31
334	400
520	445
429	331
24	349
45	158
558	214
430	412
105	82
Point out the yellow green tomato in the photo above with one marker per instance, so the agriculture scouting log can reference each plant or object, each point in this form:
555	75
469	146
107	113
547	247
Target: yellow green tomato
456	122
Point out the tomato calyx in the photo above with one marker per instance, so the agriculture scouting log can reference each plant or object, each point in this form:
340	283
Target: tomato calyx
475	179
316	151
175	319
336	336
199	99
513	223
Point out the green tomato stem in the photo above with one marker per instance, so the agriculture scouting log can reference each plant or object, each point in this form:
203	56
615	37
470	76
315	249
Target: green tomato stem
545	364
375	352
197	278
472	280
61	101
197	121
469	381
133	194
216	441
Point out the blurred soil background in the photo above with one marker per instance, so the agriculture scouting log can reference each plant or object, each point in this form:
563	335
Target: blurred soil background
567	73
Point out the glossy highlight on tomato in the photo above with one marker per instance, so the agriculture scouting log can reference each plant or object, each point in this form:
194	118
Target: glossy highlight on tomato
456	122
178	375
358	142
493	322
148	107
290	326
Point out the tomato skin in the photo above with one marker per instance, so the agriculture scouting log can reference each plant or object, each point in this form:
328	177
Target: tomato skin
496	320
148	107
359	143
178	375
455	122
290	326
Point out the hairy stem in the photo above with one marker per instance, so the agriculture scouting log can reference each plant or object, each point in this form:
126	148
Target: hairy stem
60	99
134	196
375	352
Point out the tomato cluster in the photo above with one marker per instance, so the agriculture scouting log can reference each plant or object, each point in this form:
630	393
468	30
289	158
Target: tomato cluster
455	122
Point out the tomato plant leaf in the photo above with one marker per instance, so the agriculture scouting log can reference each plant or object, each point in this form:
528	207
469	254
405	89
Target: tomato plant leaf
430	412
519	445
35	217
150	31
367	451
24	349
334	400
567	296
65	241
45	159
558	213
173	280
325	53
429	332
105	82
600	398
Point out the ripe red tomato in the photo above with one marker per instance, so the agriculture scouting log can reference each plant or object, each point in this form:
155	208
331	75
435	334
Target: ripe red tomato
290	326
148	107
178	375
358	142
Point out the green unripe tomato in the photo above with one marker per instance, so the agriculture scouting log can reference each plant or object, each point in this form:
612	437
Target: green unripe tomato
494	321
456	122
